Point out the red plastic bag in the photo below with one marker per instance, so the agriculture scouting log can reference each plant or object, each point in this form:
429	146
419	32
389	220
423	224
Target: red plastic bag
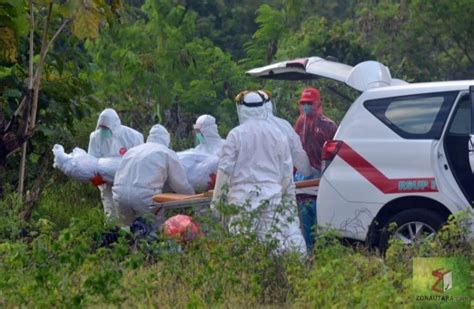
182	227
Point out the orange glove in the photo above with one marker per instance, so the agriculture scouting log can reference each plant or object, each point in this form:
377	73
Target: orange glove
212	181
97	180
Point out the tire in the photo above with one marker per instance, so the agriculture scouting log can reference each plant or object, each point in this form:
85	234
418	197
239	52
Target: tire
412	225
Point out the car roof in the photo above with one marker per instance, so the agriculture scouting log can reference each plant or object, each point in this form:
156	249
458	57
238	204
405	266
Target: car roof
415	88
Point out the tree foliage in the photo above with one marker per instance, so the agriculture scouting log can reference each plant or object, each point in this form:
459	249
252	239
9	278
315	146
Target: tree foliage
45	22
421	40
13	24
170	60
159	66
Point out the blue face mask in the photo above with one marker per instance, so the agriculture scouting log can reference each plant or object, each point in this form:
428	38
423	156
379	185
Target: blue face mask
105	132
200	139
307	109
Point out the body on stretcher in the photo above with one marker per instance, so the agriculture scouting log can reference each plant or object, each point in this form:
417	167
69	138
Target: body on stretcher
167	201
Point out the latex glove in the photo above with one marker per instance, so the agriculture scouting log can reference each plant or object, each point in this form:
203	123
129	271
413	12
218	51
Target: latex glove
97	180
315	173
221	179
285	183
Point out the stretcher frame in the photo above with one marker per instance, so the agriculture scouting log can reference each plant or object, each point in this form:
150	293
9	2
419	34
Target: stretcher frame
202	201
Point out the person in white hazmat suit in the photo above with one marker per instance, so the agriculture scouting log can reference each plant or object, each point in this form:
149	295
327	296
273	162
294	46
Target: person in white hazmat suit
111	139
298	155
207	136
143	172
255	163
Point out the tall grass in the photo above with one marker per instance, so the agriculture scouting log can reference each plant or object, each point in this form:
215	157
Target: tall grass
61	259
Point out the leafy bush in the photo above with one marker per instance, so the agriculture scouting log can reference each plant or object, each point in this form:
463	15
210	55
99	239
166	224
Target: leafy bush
68	257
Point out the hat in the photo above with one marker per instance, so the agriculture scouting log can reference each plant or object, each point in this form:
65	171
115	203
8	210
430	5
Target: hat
309	94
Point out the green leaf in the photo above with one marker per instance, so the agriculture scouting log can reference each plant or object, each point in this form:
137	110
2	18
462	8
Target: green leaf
86	23
12	93
68	9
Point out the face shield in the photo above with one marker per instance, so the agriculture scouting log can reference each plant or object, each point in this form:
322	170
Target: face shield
251	104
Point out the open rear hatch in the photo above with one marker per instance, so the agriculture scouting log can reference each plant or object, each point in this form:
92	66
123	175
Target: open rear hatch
363	76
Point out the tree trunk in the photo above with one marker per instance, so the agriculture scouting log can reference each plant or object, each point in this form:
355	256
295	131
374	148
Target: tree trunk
21	180
33	195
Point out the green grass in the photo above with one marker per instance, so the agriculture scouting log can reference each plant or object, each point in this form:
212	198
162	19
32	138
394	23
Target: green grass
58	259
63	199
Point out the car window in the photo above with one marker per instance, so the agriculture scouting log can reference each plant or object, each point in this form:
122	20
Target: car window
414	117
461	123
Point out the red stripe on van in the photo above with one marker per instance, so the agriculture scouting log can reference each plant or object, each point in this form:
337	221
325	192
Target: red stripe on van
379	180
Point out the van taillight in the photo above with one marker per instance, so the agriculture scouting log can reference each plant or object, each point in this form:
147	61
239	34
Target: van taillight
330	150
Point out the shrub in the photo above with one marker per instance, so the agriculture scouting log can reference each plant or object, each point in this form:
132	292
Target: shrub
76	262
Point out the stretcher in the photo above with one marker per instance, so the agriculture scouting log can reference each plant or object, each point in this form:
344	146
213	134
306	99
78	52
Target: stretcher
168	201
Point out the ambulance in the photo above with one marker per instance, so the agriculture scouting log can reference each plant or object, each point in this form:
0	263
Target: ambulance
402	153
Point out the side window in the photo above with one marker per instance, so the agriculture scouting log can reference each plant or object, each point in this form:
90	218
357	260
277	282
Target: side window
461	123
414	117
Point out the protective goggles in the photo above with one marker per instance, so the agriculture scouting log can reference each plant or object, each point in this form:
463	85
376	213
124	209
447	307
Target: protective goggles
239	99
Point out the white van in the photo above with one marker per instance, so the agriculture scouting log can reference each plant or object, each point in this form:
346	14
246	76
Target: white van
402	152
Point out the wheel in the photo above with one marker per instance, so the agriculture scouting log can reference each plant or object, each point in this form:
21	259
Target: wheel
413	226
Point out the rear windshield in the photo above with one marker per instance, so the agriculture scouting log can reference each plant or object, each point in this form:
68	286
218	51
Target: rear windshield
414	117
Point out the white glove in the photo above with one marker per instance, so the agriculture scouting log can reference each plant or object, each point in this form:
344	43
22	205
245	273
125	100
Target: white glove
285	183
221	179
315	173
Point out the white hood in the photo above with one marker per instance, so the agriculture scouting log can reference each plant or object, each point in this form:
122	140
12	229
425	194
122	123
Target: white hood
255	112
110	119
269	108
208	127
159	134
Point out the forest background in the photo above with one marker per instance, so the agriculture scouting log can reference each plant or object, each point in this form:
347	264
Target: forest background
169	61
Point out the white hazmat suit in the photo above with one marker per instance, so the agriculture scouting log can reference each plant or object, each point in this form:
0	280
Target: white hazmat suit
143	172
212	142
256	165
201	161
298	155
116	144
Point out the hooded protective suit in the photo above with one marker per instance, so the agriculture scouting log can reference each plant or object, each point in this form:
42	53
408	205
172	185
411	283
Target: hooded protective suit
256	165
313	128
115	144
143	172
210	141
298	155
